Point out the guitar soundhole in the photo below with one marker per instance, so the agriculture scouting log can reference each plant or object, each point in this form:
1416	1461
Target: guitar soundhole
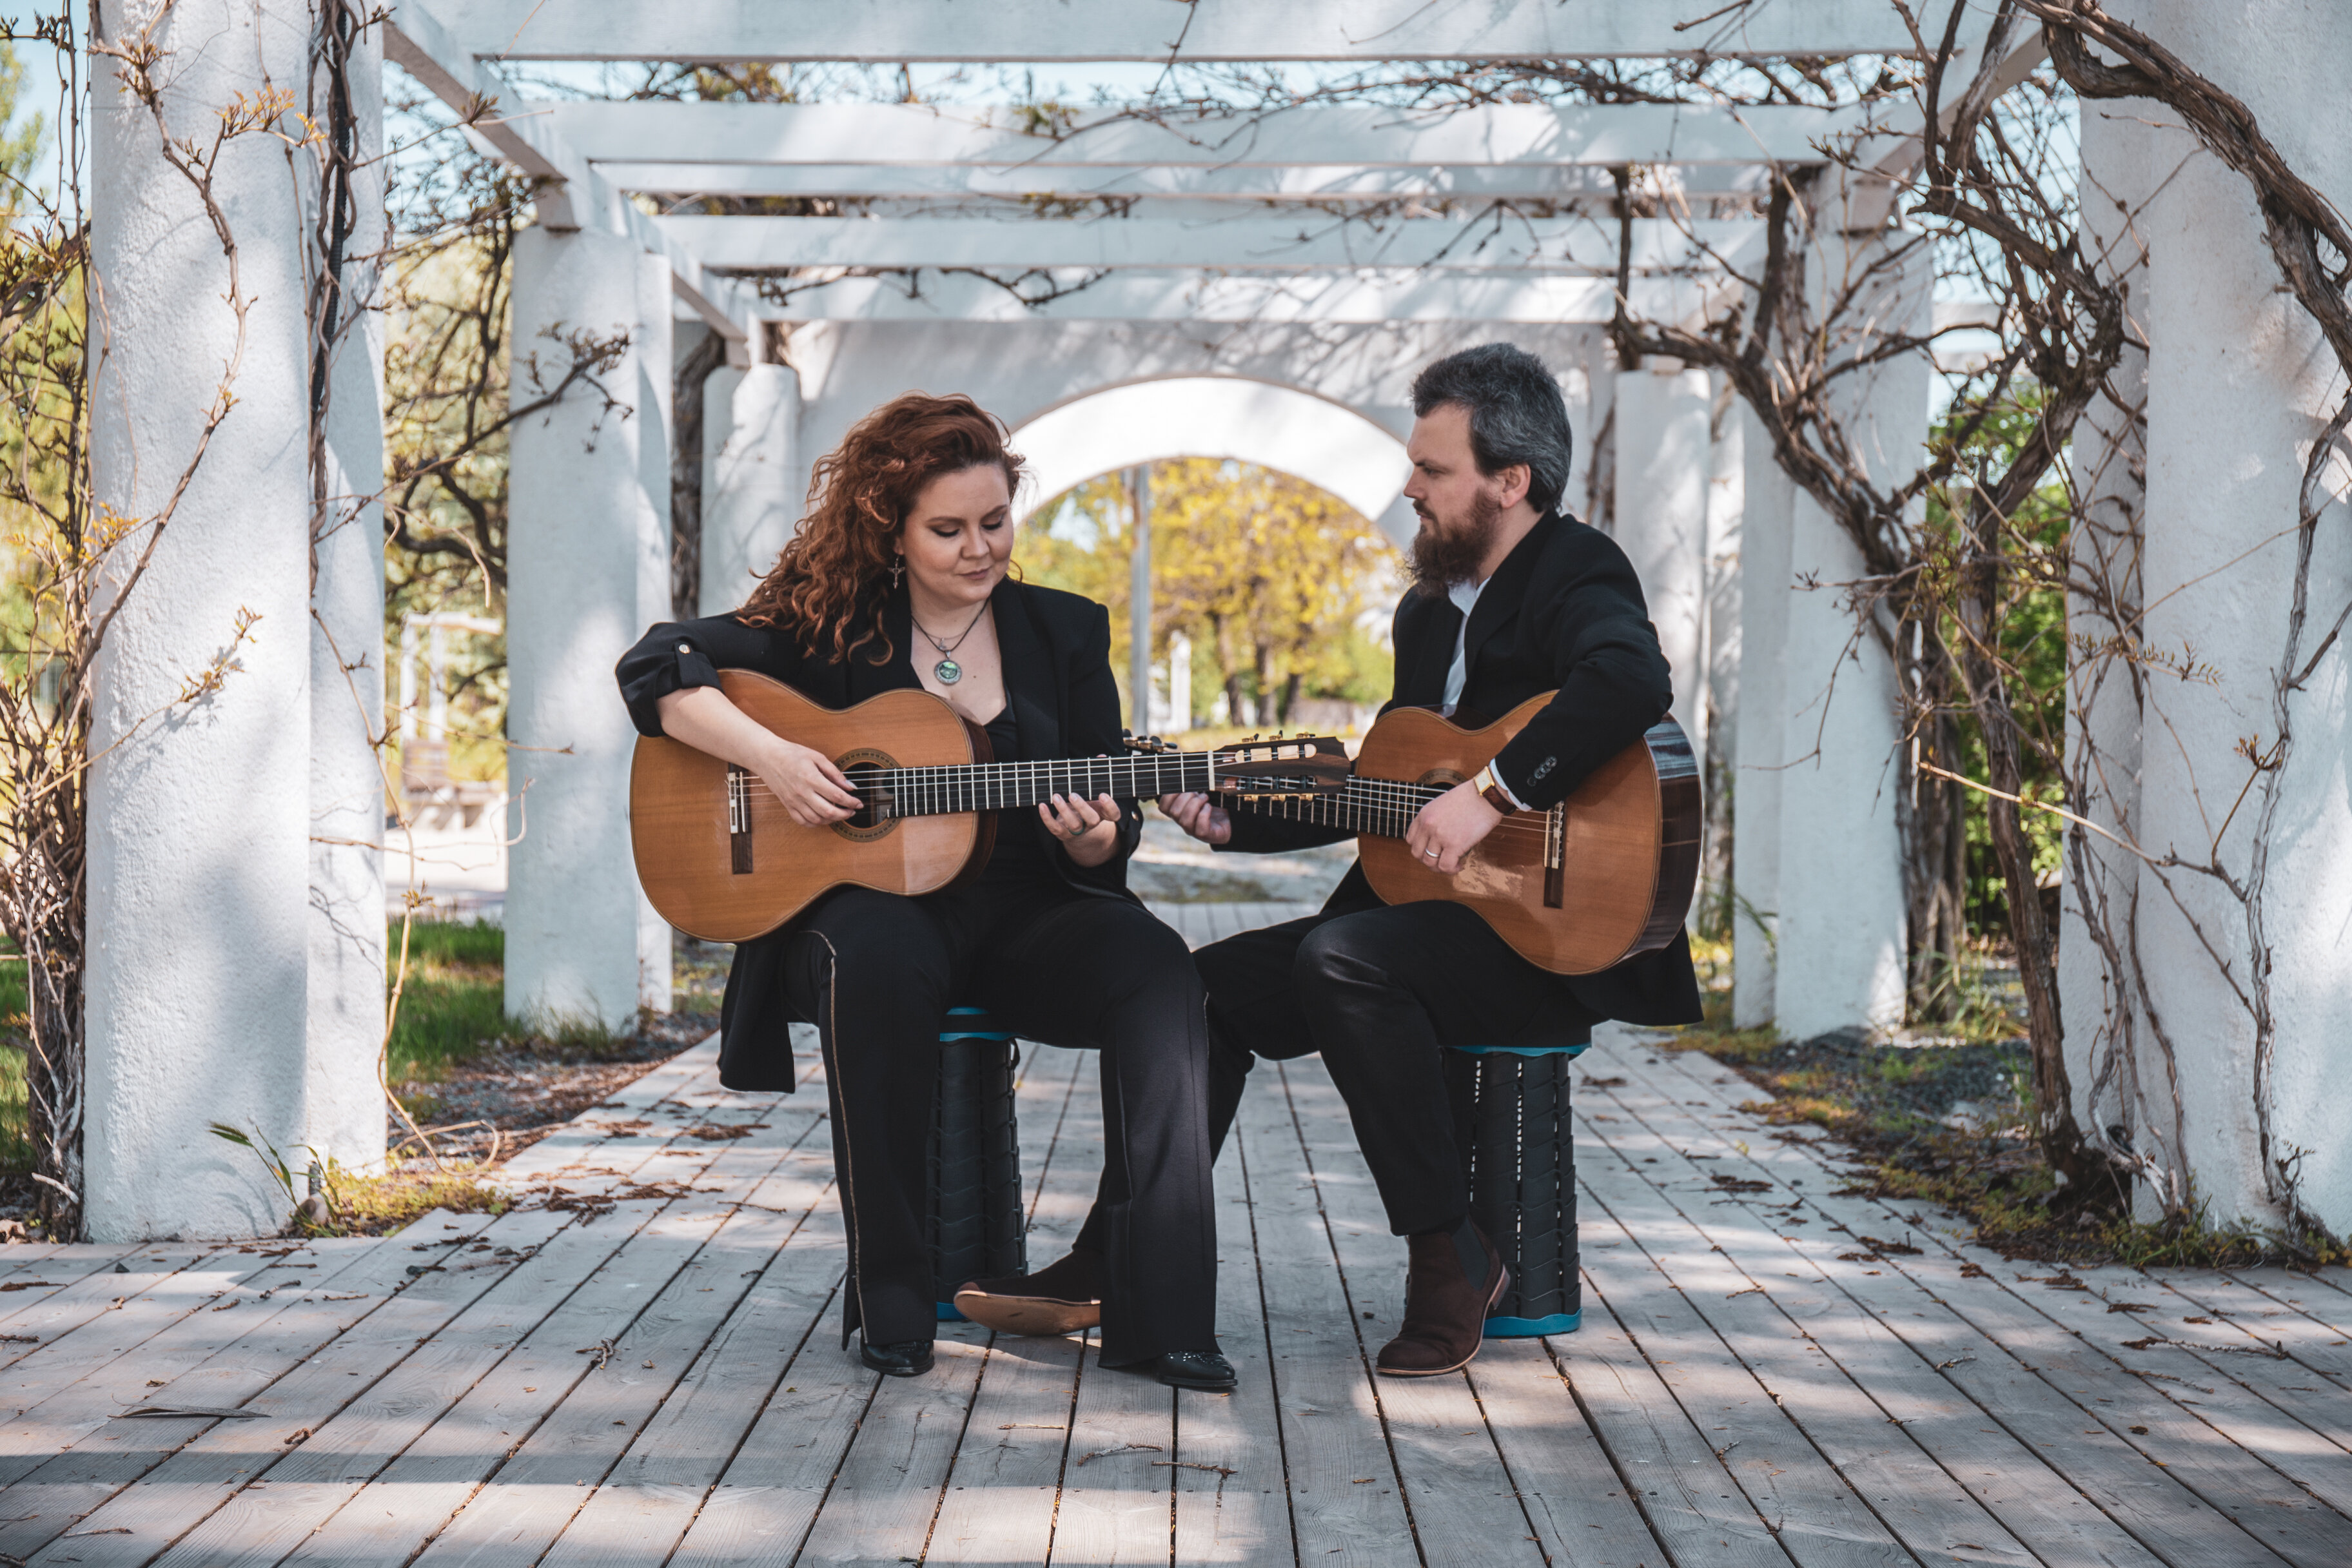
862	767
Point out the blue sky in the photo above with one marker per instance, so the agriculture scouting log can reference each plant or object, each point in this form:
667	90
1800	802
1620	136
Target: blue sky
39	95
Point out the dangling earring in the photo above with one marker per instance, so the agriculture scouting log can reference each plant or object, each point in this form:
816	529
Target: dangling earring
898	570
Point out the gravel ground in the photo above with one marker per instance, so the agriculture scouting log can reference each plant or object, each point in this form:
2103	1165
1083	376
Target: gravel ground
525	1092
1965	1088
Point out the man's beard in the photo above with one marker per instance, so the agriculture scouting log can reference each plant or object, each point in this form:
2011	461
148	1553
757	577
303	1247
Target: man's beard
1445	557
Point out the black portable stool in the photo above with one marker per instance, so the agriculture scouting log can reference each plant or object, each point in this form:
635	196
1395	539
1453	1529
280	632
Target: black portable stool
1512	1124
973	1208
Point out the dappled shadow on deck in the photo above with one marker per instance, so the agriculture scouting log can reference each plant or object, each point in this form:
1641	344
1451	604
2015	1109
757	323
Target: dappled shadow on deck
1768	1373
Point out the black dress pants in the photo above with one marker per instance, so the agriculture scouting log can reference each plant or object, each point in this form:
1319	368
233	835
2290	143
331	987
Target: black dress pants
1380	992
878	971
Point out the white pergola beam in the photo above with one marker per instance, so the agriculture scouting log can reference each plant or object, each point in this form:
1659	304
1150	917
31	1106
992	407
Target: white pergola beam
1492	135
1316	183
1368	295
1305	241
886	32
570	196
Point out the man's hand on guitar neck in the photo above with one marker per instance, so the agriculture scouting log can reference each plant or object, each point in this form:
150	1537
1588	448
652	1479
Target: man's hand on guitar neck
1450	826
1198	815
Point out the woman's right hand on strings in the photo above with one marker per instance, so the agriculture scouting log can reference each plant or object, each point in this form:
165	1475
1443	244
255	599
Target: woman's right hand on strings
1198	815
812	788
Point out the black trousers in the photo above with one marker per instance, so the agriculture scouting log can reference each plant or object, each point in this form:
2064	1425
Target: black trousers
1380	992
877	972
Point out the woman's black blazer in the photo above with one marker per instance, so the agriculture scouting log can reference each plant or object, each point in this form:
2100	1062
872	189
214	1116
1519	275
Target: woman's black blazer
1055	649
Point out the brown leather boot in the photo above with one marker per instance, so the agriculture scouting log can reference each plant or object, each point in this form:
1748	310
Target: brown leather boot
1060	1298
1444	1313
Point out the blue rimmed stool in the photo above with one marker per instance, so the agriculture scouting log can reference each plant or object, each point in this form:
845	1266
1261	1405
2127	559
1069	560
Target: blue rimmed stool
1511	1123
973	1208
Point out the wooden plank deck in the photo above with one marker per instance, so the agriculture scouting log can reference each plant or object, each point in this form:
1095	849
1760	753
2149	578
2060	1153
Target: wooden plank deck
1763	1377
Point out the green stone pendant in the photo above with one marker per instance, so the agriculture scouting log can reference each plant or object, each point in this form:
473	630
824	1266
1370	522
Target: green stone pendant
948	671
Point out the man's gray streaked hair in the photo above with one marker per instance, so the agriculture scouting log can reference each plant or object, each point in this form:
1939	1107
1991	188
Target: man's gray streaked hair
1517	413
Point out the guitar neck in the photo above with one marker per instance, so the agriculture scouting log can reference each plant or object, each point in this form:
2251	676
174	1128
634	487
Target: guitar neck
1003	786
1382	807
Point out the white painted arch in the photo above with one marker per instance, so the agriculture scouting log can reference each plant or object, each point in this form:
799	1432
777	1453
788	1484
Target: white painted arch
1313	439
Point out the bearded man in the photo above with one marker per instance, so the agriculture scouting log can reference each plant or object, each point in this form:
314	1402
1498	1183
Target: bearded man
1510	598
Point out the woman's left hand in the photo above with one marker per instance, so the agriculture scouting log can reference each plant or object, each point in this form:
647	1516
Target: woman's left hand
1088	829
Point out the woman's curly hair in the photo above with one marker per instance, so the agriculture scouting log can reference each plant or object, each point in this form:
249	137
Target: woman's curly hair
838	564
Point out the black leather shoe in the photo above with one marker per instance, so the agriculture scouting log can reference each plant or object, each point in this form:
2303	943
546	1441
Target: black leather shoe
1205	1370
908	1358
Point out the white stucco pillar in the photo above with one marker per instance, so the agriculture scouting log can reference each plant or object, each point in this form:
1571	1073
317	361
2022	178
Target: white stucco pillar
199	810
1594	493
748	508
2106	1027
588	571
1662	466
1726	492
346	913
2239	386
1767	522
1840	959
717	424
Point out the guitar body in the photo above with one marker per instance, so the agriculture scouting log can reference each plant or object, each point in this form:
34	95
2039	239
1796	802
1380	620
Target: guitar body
728	876
1627	850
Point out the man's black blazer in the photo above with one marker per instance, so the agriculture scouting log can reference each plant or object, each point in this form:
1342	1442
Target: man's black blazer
1057	654
1564	611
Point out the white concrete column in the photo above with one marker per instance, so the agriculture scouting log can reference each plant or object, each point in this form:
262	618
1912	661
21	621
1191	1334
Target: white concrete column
346	1108
588	571
1767	522
717	424
1840	960
1594	493
199	810
2105	1028
1574	371
748	508
2239	386
1726	490
1662	466
1139	603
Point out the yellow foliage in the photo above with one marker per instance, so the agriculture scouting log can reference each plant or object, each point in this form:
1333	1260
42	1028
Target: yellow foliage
1283	588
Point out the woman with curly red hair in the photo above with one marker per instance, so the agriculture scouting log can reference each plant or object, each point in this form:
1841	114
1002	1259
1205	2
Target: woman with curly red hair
898	578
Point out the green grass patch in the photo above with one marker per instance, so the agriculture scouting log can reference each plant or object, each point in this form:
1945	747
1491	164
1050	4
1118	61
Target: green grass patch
453	1003
378	1205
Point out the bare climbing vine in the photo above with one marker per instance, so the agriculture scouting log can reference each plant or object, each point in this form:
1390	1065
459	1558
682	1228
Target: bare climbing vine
1950	549
79	562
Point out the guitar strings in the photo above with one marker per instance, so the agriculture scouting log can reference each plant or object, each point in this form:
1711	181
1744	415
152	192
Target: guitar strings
1361	796
1399	798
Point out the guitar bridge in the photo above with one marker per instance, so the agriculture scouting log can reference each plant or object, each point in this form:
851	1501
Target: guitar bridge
1555	855
739	820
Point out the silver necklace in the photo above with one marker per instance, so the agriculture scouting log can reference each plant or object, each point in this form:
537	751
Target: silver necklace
948	671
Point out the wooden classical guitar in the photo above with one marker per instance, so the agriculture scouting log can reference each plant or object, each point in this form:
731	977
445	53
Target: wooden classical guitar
722	858
1606	874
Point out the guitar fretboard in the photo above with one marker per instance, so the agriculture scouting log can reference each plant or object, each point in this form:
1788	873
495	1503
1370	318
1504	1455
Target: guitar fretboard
1382	807
1002	786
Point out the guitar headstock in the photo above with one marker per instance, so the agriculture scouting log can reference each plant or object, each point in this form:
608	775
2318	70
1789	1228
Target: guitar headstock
1269	765
1285	764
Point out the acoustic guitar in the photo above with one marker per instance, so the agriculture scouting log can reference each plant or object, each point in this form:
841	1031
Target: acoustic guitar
1606	874
722	860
